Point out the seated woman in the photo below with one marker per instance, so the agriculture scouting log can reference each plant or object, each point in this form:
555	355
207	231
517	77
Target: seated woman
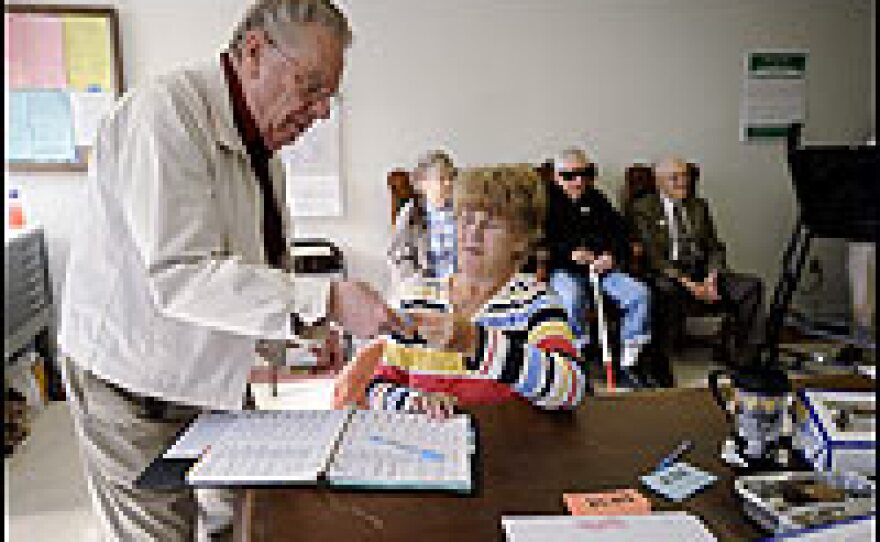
423	241
486	333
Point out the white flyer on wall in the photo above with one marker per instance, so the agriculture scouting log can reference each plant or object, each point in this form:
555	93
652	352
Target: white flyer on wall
773	94
88	108
312	166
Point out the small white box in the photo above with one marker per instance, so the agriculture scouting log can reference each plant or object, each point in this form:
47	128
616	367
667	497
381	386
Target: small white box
837	430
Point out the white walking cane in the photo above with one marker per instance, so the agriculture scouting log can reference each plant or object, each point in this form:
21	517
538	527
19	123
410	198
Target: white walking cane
603	330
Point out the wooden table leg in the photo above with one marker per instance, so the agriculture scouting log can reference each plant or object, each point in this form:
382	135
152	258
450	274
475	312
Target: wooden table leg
243	508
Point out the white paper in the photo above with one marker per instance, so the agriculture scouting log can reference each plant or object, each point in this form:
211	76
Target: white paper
678	526
277	446
88	108
307	251
394	449
312	166
773	93
314	195
845	531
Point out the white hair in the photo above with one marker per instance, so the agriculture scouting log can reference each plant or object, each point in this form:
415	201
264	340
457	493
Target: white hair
280	19
571	154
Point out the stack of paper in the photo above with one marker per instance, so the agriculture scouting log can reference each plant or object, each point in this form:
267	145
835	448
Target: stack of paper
402	451
678	526
368	449
270	447
851	530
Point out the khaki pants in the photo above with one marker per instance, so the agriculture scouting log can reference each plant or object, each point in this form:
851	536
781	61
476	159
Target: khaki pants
119	435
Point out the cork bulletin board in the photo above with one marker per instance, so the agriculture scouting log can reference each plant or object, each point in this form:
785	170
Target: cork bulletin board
63	72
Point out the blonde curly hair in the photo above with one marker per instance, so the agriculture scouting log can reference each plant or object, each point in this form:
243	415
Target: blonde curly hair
511	191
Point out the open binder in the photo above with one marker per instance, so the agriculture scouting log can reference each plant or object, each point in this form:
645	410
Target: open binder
360	449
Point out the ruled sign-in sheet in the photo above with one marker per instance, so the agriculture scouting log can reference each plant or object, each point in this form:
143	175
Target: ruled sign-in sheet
395	450
260	446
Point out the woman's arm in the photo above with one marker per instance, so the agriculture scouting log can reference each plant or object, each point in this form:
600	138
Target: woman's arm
547	371
350	387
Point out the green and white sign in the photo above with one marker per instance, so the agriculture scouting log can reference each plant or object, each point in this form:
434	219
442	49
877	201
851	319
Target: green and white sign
773	94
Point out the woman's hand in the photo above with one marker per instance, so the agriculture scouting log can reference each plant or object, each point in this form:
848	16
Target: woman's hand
436	329
464	336
351	383
438	406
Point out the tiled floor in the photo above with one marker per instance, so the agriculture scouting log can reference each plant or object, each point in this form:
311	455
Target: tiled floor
45	491
46	494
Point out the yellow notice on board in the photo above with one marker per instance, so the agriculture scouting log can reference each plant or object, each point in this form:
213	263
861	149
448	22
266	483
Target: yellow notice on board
87	53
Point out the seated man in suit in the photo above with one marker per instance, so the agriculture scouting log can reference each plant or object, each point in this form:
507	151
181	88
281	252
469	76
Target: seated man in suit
686	260
583	229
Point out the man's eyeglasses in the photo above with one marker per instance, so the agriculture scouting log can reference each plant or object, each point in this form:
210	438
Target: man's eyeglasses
314	91
587	173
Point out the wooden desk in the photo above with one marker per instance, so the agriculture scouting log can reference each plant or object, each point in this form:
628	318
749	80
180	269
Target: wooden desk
528	459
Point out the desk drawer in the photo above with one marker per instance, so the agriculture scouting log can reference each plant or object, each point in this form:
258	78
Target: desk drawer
20	284
25	262
25	290
18	311
28	246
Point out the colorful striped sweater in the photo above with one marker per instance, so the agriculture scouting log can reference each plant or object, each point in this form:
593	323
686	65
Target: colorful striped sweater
524	350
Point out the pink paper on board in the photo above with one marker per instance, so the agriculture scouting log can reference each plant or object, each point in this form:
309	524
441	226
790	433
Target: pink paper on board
35	51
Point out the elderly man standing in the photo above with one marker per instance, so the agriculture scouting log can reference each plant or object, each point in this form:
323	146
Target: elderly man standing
176	271
687	260
583	229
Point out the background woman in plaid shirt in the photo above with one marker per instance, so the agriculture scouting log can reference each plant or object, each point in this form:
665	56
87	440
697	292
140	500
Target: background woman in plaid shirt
423	242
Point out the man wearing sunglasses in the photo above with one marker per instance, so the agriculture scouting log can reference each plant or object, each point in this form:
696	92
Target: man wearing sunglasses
583	229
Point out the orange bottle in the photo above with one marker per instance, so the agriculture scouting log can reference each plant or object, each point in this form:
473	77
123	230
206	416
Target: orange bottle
16	210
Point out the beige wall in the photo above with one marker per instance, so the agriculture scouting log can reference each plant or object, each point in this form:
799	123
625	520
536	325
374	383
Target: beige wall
512	80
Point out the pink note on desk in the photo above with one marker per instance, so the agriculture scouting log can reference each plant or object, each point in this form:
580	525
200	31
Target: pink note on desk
623	502
35	51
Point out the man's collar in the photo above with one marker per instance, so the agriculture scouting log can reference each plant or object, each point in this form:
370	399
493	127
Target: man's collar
671	201
220	104
241	115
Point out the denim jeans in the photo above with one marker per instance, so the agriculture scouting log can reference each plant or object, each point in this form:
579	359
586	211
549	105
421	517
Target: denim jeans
632	296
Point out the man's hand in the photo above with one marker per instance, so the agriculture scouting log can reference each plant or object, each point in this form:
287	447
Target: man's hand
695	288
603	263
705	291
582	256
361	311
711	287
436	405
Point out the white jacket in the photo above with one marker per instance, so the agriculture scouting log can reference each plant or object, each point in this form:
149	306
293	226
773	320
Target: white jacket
167	288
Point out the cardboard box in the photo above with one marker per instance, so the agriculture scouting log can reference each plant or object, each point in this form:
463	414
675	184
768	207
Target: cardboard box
837	430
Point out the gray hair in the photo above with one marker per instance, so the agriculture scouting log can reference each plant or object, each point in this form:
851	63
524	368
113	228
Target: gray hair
280	19
430	160
571	154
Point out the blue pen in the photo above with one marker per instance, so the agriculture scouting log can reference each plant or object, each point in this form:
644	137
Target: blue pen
428	455
673	457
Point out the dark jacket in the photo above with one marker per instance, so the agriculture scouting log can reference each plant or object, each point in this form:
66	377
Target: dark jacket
648	222
591	222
